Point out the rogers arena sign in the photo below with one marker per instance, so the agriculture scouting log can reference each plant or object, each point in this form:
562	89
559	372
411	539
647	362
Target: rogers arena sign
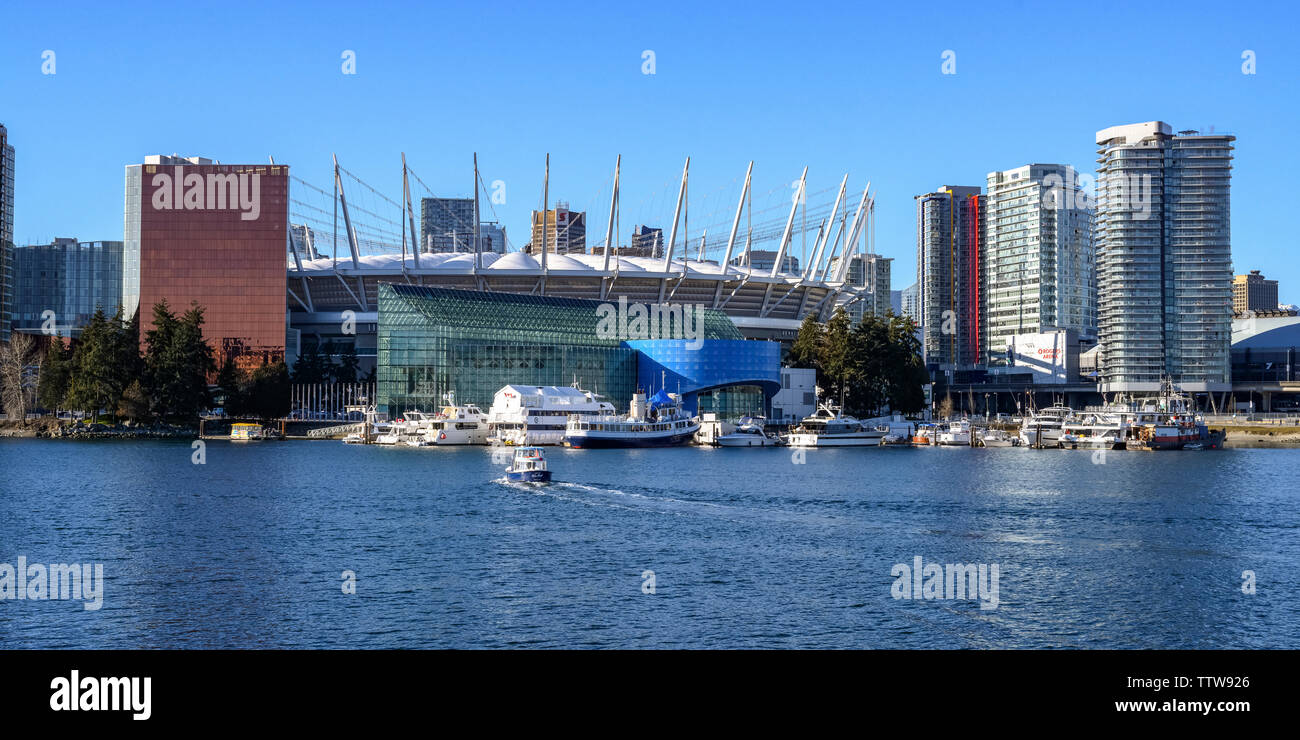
1046	354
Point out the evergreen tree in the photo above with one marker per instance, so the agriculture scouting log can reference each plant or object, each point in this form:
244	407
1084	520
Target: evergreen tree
837	356
177	363
907	366
268	391
98	377
233	383
309	367
807	348
134	404
56	374
349	365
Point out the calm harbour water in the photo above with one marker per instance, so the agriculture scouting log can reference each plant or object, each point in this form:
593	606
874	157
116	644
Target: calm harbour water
748	549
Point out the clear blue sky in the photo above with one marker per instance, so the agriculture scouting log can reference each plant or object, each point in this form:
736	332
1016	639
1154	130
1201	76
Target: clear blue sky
850	87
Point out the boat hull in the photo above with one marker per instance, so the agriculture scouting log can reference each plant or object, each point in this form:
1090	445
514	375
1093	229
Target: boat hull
528	476
746	440
599	441
833	440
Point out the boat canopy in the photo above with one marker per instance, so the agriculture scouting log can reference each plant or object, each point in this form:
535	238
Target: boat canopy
660	399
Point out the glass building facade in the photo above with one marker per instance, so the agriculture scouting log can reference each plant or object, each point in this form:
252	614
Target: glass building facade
70	279
6	232
432	341
1164	258
949	230
732	377
215	235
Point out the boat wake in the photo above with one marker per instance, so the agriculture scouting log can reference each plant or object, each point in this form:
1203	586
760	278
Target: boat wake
654	503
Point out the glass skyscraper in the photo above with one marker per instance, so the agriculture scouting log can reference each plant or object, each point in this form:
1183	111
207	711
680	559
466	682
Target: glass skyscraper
6	232
1164	258
67	278
1038	255
949	235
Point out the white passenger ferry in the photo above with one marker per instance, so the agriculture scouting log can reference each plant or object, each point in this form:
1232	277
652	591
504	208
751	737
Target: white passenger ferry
659	421
538	415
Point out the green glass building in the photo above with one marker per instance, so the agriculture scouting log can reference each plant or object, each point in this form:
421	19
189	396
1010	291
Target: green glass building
435	340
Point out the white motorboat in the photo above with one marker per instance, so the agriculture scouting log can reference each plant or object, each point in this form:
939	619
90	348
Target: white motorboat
955	434
459	425
1043	429
996	438
829	428
750	432
529	466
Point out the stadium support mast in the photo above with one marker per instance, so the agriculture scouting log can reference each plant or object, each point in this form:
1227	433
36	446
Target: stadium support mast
789	223
824	235
347	220
478	259
735	223
613	207
410	214
672	238
850	240
546	203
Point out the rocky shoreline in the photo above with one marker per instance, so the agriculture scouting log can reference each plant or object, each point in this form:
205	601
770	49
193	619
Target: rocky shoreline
50	429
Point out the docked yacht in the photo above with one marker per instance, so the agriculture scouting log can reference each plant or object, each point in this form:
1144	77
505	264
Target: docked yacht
659	421
750	432
538	415
829	428
386	434
459	425
1043	429
955	434
1094	432
996	438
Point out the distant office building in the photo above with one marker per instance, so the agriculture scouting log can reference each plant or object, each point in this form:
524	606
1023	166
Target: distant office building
67	279
201	232
647	241
302	238
6	232
896	302
1037	260
1164	258
910	299
1251	292
870	273
492	237
566	231
447	224
761	260
949	232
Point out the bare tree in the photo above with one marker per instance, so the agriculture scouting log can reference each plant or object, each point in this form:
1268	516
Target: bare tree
946	407
15	376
